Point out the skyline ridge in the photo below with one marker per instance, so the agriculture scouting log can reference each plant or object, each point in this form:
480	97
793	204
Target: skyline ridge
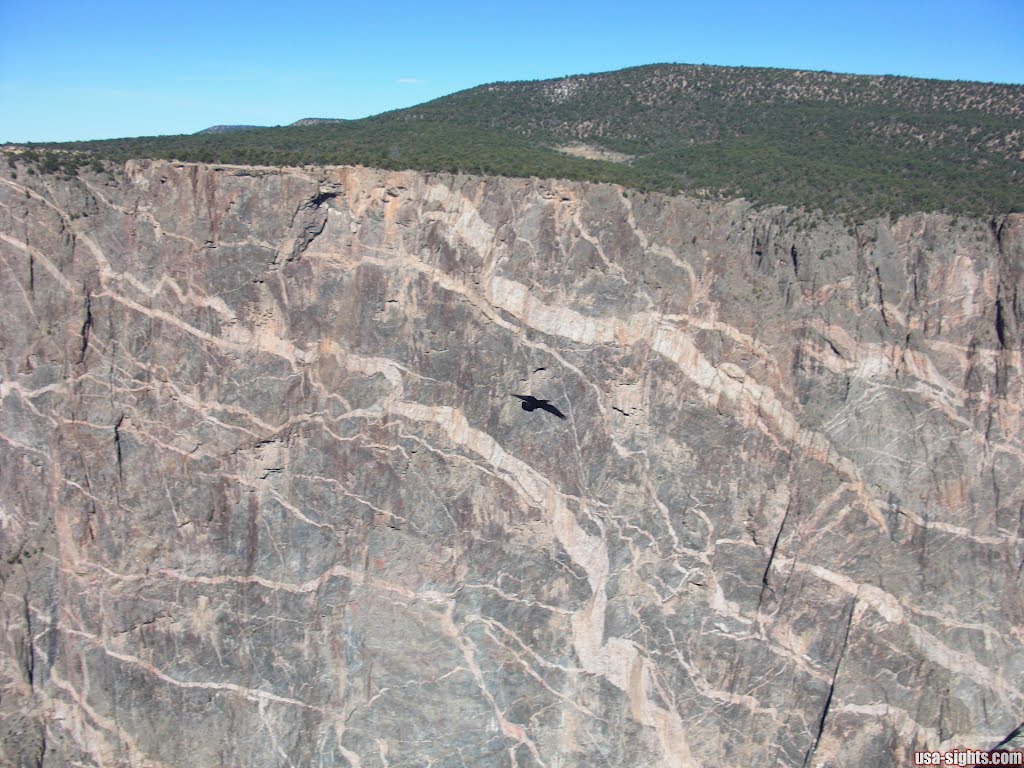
71	72
845	143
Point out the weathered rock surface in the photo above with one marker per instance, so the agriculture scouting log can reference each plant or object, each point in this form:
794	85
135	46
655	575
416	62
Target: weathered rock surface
266	500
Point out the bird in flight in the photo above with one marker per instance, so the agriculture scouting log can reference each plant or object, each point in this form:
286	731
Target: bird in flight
531	403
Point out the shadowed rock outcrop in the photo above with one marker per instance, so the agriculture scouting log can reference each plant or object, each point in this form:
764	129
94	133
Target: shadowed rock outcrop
265	499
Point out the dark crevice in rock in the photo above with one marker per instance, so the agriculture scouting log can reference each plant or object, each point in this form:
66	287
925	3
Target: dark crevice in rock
765	585
831	687
319	199
833	347
1018	731
881	296
1006	290
904	346
1000	324
1018	311
30	660
86	327
117	445
41	758
997	232
821	724
314	226
795	258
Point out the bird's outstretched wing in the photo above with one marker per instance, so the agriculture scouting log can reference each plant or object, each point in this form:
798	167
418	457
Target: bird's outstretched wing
550	408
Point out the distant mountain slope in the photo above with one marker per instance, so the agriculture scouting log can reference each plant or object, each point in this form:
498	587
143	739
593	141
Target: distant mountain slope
645	107
318	121
227	129
857	144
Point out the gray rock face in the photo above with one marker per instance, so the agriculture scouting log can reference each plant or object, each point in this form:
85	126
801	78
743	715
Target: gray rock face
267	500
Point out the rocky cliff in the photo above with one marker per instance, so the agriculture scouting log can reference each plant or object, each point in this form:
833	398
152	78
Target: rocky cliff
267	501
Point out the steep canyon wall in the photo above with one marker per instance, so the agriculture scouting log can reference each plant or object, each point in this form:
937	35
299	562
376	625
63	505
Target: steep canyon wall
266	499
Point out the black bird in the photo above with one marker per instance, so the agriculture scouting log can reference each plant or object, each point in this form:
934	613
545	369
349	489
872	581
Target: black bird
531	403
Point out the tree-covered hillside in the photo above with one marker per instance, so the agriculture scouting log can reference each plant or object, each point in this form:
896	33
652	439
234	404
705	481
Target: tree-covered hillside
843	143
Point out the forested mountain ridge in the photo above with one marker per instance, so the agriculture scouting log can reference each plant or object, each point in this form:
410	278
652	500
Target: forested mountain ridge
854	144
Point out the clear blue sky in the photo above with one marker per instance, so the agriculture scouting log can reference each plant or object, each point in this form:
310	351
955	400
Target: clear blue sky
86	70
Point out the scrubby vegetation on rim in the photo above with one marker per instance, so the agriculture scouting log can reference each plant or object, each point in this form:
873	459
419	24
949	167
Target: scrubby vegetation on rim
852	144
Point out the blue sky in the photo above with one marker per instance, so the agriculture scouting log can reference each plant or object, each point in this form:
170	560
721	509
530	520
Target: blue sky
87	70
